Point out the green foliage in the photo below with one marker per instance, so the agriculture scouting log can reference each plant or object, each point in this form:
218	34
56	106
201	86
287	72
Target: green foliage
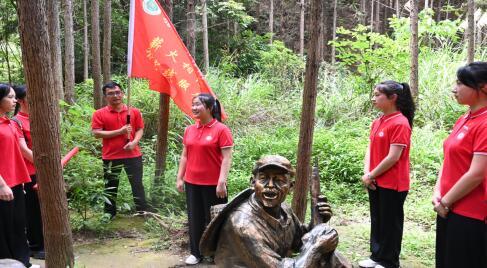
233	10
372	55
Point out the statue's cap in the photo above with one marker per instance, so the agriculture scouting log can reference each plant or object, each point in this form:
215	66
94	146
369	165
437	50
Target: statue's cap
275	161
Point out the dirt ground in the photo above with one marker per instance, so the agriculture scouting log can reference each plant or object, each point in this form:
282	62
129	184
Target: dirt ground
127	245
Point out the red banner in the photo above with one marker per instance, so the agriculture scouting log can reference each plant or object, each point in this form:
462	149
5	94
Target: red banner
157	53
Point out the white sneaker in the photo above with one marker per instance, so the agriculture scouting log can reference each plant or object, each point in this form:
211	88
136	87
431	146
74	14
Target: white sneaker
368	263
379	266
192	260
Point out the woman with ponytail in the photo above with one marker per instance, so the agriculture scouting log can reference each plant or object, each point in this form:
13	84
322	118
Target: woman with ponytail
459	195
386	171
203	167
33	209
13	175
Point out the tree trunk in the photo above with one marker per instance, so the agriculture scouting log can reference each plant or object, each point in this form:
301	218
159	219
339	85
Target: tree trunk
52	8
363	13
438	12
191	19
378	9
107	41
68	52
414	49
334	32
425	4
86	48
9	71
372	4
398	8
301	28
471	31
328	28
206	53
307	114
163	124
447	12
271	20
95	48
45	132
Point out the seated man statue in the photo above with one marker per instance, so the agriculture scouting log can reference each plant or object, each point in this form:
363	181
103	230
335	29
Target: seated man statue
257	229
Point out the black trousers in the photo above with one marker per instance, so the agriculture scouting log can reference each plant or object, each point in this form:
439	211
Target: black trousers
134	170
33	215
199	199
13	242
387	220
460	242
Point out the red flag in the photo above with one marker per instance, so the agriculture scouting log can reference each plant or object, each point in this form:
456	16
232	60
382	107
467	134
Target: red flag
157	53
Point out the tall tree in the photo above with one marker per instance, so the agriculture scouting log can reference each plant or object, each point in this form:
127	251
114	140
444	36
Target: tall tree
414	49
271	20
303	170
328	28
162	124
107	40
397	6
86	47
334	32
68	52
301	28
52	7
377	17
191	27
372	4
45	132
363	12
204	18
95	48
471	30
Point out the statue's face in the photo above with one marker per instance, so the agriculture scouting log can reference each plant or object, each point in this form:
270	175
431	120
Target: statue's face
271	186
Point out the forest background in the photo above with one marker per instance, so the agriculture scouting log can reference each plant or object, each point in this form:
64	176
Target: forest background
256	67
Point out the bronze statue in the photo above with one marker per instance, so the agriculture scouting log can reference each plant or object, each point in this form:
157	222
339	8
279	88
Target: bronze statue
257	229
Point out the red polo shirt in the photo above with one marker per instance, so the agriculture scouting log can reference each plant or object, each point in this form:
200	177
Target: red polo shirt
203	151
108	119
390	130
12	166
24	132
469	137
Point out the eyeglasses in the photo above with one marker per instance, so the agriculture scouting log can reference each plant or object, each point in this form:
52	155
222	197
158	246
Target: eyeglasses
114	93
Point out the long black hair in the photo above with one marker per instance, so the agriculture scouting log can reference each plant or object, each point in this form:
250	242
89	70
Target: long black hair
211	103
404	102
20	94
473	75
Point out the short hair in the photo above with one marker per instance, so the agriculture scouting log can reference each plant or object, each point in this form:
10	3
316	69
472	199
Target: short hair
110	85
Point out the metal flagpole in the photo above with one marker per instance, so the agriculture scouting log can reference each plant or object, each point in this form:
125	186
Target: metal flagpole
128	107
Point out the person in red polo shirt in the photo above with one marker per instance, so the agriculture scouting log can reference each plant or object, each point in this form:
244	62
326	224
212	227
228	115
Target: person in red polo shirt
13	174
203	167
458	197
386	171
32	206
120	146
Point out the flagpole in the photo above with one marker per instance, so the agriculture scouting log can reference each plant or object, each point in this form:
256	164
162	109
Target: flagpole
128	107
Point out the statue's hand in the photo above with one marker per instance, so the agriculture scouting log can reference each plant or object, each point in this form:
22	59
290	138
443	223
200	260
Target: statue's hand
324	209
327	242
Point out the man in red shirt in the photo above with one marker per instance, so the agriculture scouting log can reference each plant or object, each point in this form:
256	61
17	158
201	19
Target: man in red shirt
120	149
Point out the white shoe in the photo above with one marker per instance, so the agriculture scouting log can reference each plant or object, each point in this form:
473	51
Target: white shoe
368	263
192	260
379	266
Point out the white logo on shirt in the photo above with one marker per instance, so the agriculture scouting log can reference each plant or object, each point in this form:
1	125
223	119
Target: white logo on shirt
381	134
460	136
208	138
